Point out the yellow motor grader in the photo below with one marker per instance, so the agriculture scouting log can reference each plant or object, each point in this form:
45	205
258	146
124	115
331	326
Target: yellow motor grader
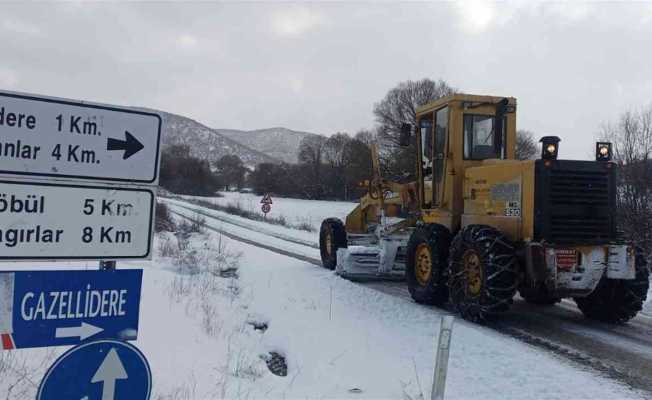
478	225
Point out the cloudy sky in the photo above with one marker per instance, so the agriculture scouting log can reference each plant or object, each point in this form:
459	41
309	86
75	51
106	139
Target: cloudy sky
320	67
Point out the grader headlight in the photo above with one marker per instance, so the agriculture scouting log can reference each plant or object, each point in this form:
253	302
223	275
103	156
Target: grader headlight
603	151
549	147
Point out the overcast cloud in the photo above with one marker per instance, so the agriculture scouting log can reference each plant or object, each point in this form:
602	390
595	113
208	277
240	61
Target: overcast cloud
320	67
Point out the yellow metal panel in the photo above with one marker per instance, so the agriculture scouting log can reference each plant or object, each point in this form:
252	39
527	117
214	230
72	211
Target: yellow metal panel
501	193
439	217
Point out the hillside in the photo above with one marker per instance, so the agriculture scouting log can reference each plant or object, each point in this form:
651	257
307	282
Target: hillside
279	143
207	143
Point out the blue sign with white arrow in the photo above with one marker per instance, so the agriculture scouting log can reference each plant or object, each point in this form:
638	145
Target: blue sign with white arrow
98	370
57	308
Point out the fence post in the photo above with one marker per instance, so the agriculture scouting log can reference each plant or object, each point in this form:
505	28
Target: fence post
441	362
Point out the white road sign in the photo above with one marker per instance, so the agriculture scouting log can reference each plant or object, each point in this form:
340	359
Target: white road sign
42	136
43	221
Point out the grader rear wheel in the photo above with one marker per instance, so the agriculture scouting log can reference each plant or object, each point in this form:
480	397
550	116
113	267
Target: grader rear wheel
617	301
483	272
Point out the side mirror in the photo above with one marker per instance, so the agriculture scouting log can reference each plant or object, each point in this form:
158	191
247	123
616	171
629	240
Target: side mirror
406	133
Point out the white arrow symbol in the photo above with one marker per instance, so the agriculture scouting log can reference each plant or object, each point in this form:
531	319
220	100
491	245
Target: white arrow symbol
84	331
109	371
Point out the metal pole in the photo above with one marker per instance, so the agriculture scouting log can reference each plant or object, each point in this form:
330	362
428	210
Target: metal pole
107	265
441	363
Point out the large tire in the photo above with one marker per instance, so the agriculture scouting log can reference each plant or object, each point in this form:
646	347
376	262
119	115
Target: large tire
426	264
332	236
483	272
617	301
538	295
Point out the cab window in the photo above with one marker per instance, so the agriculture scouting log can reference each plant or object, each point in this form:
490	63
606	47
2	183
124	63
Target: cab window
426	127
439	154
480	141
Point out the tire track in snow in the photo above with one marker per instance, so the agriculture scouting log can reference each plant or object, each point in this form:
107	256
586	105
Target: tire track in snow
254	243
202	211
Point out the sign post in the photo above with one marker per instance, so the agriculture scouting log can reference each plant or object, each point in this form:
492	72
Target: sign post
47	137
100	370
58	308
44	221
50	149
266	202
443	352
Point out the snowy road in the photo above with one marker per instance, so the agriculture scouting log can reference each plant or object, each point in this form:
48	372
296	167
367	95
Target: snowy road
623	353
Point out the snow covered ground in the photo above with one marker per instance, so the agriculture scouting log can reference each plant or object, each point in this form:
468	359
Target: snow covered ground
337	336
295	211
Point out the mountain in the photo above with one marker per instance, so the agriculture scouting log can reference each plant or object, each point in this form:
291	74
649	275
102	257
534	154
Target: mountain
207	143
278	143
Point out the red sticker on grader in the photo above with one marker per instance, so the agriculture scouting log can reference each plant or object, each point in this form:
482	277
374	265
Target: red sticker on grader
566	258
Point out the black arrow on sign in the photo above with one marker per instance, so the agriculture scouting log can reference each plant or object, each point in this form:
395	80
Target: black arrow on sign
130	145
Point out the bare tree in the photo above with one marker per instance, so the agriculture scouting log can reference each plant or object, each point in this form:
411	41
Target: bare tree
335	152
397	108
230	171
311	153
526	145
366	136
358	165
401	102
311	149
334	149
632	149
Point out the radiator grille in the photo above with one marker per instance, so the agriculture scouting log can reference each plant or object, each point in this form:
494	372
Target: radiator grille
575	202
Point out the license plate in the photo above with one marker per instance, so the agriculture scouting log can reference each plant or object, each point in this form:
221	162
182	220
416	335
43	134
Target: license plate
566	258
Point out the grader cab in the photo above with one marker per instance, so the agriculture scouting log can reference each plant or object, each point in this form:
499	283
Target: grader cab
478	225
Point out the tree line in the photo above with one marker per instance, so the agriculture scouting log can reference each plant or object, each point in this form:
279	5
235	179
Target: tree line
183	173
631	137
328	168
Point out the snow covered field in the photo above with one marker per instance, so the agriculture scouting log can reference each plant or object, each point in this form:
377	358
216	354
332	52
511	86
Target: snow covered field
337	336
295	211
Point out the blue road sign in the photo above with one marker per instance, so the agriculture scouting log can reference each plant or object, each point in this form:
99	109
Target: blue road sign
99	370
57	308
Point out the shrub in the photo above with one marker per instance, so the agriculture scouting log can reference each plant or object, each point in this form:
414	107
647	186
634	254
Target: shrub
163	221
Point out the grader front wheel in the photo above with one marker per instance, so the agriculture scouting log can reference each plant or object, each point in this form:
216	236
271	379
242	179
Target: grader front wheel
483	272
427	259
332	236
